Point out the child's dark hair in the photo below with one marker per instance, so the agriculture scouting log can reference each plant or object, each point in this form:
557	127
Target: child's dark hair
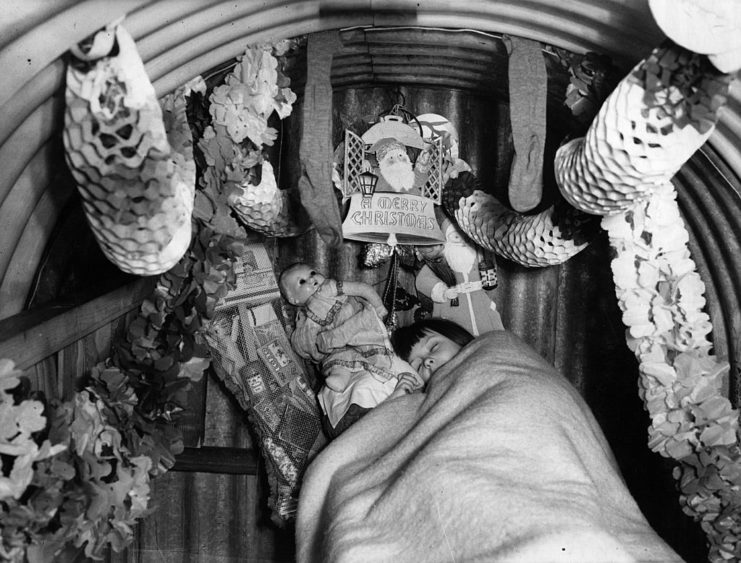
404	338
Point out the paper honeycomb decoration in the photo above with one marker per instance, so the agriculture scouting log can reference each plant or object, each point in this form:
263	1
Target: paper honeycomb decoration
653	122
266	208
137	190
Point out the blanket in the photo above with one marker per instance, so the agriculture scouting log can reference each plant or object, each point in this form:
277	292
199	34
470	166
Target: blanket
499	460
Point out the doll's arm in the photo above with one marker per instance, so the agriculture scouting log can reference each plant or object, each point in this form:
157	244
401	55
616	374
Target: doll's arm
365	291
304	339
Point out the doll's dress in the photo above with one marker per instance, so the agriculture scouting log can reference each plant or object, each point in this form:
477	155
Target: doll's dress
344	335
339	331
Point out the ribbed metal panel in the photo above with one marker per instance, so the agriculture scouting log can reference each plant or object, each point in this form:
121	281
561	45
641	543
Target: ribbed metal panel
710	199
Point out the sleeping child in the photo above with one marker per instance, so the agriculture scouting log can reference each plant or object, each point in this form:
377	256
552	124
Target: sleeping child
339	327
429	344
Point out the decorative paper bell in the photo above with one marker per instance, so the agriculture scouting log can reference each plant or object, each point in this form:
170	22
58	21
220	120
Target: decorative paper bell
392	218
137	190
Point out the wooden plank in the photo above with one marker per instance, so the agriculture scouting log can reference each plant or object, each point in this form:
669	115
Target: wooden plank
31	336
212	459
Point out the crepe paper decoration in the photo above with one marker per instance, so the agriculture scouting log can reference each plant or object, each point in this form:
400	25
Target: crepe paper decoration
682	384
137	190
709	27
315	150
232	145
545	239
250	95
17	424
528	92
87	483
657	117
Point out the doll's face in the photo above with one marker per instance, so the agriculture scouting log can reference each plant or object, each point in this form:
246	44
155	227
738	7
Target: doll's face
431	352
299	283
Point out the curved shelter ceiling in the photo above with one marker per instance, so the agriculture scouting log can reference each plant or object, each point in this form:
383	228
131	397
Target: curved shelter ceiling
179	39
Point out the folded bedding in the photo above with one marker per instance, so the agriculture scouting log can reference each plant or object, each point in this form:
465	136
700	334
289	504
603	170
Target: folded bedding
500	459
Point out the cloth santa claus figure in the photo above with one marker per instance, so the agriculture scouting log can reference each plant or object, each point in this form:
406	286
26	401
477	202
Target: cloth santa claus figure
463	298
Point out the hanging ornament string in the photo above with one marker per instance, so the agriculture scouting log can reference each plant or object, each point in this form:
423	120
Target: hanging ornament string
389	291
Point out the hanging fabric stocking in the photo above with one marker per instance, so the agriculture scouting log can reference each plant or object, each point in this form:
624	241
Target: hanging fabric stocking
315	184
528	91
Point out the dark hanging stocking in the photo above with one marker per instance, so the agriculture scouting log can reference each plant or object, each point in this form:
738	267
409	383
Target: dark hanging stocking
315	184
528	91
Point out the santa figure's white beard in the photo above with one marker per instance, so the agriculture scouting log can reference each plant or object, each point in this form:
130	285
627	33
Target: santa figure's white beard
460	257
399	175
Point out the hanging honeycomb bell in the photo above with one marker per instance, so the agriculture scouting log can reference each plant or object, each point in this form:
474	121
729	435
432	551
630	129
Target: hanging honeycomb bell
137	191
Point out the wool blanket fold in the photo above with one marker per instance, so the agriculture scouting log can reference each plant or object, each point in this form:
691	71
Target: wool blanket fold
499	460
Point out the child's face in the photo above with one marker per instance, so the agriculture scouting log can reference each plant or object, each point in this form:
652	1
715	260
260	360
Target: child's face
431	352
300	283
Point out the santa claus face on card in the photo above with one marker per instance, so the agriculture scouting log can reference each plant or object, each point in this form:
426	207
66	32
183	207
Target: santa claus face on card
395	167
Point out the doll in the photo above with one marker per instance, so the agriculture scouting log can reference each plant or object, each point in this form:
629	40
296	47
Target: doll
339	326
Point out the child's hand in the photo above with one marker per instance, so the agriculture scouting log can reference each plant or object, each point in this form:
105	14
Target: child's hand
408	383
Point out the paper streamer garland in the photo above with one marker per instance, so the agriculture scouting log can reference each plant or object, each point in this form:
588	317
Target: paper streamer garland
681	381
137	190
